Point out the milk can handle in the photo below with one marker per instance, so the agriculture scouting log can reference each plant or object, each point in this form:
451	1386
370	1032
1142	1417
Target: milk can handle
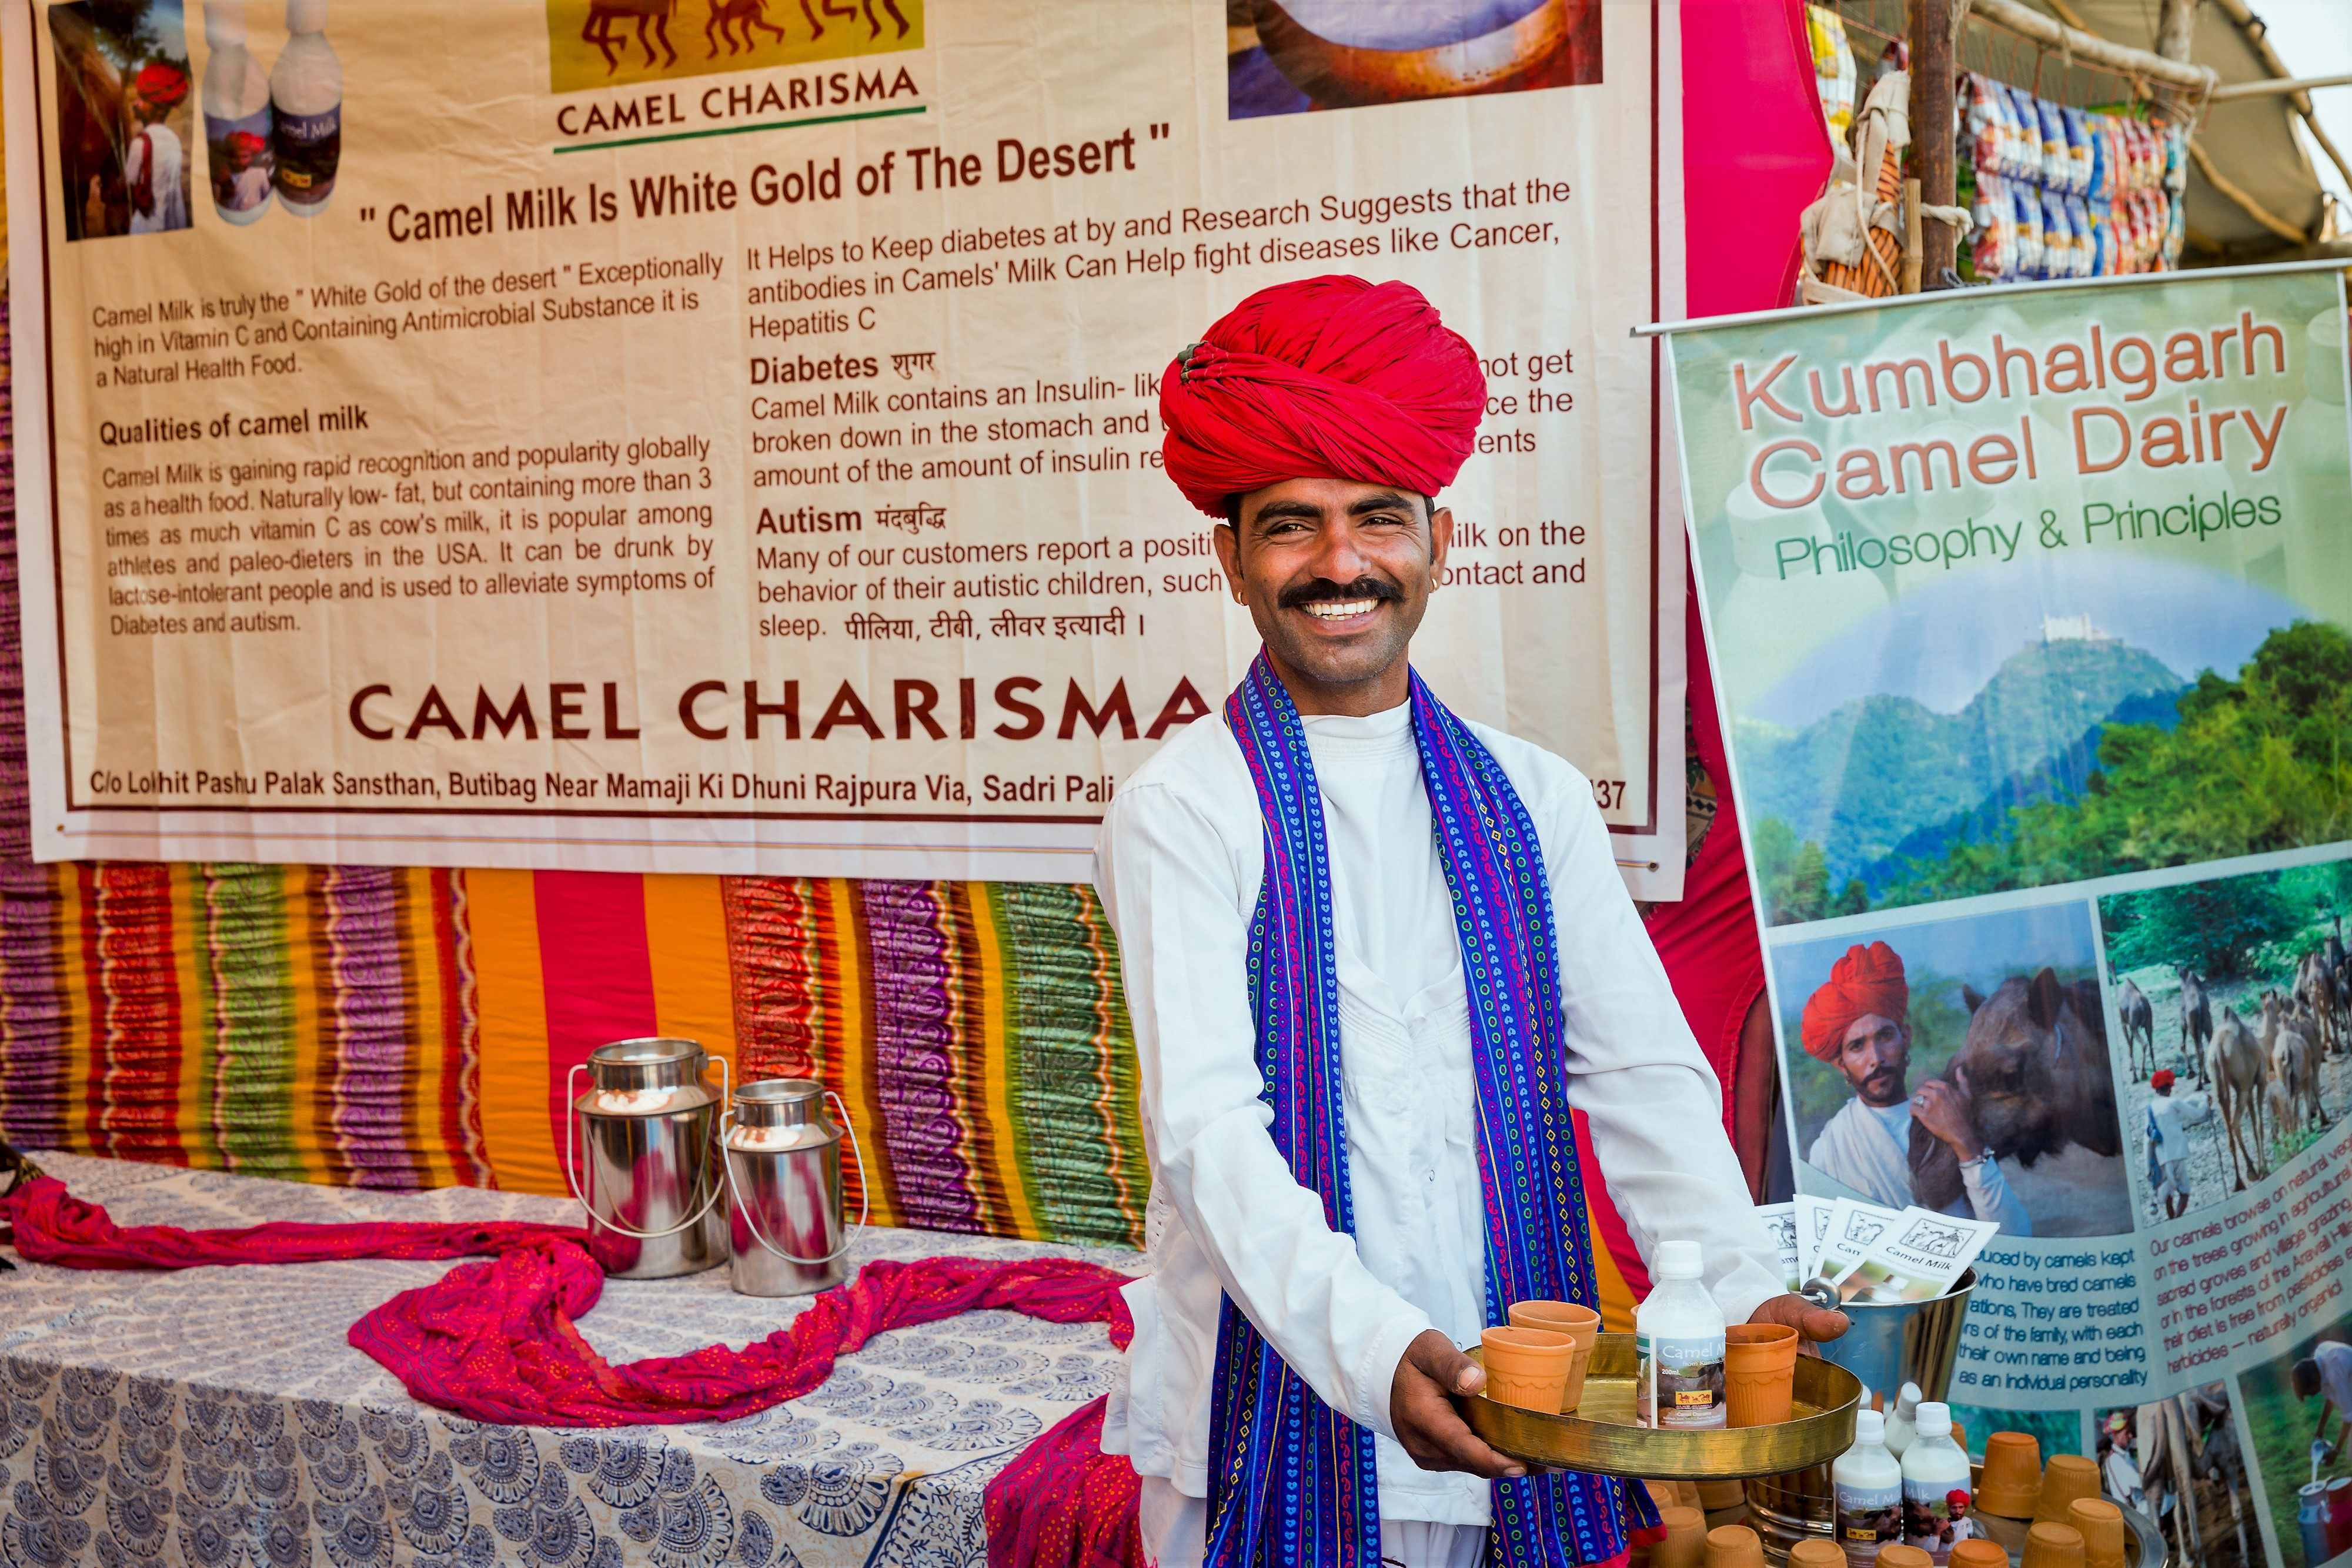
572	1179
751	1222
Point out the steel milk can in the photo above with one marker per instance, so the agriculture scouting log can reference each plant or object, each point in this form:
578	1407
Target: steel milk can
652	1175
783	1160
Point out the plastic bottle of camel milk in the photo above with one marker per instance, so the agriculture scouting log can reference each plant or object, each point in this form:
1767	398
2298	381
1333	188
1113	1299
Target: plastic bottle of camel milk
236	116
1678	1333
305	91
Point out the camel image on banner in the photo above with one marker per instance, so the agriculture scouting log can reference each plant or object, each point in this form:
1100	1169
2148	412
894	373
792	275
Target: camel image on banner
1917	1047
608	43
125	116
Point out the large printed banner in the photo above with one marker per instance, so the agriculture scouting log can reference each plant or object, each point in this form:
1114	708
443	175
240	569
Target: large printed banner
722	435
2033	615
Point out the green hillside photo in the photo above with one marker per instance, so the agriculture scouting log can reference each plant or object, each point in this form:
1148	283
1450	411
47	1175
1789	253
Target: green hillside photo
2081	757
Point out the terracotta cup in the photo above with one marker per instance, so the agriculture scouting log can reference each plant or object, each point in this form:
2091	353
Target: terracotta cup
1976	1551
1734	1546
1901	1556
2012	1485
1581	1324
2101	1524
2049	1545
1527	1367
1760	1368
2068	1476
1685	1544
1815	1552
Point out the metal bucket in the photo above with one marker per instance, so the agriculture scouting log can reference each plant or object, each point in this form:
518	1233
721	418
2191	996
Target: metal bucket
1885	1345
782	1156
652	1179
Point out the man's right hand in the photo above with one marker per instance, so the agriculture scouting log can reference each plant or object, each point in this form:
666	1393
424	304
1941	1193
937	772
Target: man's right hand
1426	1423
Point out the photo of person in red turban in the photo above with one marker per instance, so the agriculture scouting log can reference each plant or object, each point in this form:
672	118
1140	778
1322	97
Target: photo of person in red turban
1858	1022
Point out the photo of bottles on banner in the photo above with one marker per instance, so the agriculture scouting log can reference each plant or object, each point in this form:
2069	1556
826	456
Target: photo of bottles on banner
2032	614
272	136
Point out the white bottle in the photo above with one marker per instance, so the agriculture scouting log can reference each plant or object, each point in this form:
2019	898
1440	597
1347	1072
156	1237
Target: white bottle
1678	1336
1869	1486
1899	1420
305	90
1934	1468
236	117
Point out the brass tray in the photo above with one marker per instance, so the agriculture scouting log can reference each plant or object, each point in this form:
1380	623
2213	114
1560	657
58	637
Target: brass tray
1600	1437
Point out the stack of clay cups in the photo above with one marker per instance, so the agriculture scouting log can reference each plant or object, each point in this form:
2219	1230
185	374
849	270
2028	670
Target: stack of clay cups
1899	1555
1976	1551
2011	1484
1579	1325
1734	1546
2049	1545
1684	1545
1759	1370
2068	1476
2100	1525
1815	1552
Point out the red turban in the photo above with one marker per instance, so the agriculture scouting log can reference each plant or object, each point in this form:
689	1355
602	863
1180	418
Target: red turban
162	85
2163	1079
1328	378
1866	980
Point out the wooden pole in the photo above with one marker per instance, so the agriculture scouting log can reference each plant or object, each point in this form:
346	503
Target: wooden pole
2176	29
1932	132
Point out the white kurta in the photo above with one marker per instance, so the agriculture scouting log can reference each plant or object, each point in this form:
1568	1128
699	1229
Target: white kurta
1179	863
155	158
1868	1148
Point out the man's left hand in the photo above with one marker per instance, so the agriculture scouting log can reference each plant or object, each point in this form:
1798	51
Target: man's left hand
1813	1323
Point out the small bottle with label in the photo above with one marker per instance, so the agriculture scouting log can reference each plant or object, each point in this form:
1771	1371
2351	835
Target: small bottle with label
1899	1420
1935	1485
1678	1338
1869	1485
306	96
236	116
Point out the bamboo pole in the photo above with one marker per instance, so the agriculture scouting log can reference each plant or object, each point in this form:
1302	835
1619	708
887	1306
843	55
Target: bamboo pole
2032	25
2238	90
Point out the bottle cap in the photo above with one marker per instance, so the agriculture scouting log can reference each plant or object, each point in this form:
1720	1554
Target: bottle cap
223	24
1908	1401
1678	1261
1869	1427
1935	1419
306	15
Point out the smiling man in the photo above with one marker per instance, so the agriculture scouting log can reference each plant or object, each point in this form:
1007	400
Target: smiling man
1359	1161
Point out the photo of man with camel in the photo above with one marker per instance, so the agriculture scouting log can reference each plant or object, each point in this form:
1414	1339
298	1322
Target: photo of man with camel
1960	1065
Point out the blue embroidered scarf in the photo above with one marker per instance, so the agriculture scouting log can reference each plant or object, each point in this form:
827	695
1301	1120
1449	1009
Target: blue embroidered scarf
1293	1481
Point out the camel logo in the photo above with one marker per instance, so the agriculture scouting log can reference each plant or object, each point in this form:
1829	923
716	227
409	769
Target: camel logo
611	43
1933	1240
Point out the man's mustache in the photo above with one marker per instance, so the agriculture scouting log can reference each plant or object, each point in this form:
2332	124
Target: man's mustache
1316	590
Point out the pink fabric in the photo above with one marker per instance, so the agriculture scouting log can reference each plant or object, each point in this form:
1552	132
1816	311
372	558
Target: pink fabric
1756	150
1065	1503
499	1341
55	1226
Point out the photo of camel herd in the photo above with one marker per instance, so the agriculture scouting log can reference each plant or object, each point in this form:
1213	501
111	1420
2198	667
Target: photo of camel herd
599	43
2239	988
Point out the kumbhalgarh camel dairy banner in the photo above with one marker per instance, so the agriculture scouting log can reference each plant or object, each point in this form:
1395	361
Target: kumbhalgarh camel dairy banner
2033	614
722	435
